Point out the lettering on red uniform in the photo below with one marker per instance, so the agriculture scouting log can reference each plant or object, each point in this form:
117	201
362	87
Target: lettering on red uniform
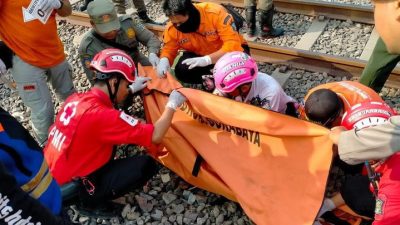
58	138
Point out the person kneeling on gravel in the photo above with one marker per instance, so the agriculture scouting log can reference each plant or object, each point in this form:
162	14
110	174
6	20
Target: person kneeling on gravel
236	76
110	31
88	126
204	31
383	140
326	104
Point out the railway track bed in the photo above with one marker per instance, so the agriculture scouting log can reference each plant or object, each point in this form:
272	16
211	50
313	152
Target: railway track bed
305	69
312	41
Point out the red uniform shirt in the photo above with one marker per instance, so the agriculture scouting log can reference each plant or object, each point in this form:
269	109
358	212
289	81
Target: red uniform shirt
82	138
387	209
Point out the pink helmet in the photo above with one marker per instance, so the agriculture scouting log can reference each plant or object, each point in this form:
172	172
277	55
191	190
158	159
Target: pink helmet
234	69
366	114
111	60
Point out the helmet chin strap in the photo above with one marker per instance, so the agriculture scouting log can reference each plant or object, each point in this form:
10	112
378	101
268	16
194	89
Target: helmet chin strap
113	95
242	94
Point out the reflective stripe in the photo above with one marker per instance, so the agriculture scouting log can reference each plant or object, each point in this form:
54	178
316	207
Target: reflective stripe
34	182
43	186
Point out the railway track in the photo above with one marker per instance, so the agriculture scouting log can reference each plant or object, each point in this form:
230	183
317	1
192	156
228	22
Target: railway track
301	56
356	13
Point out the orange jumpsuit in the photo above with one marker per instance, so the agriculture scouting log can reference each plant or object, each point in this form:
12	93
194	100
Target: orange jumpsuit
350	92
216	31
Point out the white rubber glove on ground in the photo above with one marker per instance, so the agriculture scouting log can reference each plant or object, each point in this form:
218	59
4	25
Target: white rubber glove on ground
163	67
175	100
198	62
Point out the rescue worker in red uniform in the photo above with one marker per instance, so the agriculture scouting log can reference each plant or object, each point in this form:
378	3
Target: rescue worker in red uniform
382	140
88	126
326	104
205	31
385	173
387	207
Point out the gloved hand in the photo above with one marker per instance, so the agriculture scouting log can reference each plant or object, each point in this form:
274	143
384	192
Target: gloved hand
154	60
163	67
139	84
219	93
198	62
175	100
3	68
50	4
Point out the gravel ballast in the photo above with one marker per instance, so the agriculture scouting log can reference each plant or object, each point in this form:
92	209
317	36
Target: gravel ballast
167	199
343	38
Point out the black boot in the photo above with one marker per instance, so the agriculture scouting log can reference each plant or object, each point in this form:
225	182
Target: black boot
267	30
251	20
84	5
146	19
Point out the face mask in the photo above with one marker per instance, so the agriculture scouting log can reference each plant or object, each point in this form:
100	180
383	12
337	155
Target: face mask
193	22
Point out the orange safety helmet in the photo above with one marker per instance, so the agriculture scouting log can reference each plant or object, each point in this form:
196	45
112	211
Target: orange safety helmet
110	61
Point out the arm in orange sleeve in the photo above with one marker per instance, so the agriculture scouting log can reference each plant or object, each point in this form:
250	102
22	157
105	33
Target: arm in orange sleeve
230	37
171	47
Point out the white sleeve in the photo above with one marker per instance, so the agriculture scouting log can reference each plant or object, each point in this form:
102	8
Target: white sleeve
275	94
370	143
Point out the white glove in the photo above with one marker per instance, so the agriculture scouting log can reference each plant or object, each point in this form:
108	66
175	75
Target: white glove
154	60
50	4
163	67
219	93
198	62
175	100
139	84
3	68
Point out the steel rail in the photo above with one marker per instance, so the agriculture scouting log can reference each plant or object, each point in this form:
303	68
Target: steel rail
308	60
334	10
356	13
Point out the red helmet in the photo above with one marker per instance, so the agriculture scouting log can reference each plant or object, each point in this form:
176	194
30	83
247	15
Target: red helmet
113	60
367	114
